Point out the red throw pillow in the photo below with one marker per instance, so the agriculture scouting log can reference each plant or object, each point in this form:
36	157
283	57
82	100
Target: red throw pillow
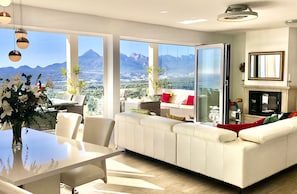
292	114
190	100
237	127
165	97
260	121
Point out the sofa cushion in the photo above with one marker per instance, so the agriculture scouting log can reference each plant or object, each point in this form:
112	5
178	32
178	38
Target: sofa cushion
186	106
271	119
169	105
205	132
140	111
130	117
165	97
284	115
270	131
160	123
176	117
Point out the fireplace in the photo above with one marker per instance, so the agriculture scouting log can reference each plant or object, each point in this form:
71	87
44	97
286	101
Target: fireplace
264	103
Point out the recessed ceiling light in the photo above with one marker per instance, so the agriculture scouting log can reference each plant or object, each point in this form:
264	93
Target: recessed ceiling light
237	13
192	21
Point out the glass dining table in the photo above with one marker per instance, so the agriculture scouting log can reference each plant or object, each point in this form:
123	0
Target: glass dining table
36	167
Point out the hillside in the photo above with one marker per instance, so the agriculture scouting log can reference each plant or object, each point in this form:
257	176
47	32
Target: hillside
91	64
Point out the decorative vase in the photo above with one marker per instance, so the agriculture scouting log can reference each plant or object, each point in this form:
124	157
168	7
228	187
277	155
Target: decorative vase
17	135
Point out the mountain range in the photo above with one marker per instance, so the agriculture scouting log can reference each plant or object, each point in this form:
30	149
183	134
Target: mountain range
91	66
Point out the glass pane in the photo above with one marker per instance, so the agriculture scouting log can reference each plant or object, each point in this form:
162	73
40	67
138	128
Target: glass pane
133	69
90	51
177	64
209	84
46	54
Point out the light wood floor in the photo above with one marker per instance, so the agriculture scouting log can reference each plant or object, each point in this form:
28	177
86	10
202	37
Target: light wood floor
130	173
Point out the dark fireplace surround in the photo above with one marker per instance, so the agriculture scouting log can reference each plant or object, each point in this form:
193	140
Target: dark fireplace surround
264	103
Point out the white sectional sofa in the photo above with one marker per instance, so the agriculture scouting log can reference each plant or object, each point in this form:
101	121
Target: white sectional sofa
255	154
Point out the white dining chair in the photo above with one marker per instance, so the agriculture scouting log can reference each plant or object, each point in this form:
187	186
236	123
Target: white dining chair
79	107
8	188
97	130
67	124
67	96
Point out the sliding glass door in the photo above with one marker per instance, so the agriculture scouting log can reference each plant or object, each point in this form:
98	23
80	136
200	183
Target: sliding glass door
211	83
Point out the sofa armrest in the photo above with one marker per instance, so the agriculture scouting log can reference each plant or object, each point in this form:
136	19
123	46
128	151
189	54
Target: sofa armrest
264	133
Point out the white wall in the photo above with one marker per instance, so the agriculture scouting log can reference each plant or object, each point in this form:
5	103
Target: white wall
237	56
292	58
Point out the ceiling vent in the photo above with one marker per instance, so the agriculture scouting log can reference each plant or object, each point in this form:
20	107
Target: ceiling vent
237	13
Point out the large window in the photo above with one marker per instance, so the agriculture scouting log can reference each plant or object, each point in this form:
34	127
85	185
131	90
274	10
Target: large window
176	67
133	67
177	64
90	51
46	54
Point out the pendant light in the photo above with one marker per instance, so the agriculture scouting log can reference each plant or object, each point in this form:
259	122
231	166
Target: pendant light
5	3
5	17
22	43
21	34
14	56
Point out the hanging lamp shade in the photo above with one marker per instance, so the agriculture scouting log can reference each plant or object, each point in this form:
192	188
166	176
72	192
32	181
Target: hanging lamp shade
5	17
22	43
20	33
14	55
5	3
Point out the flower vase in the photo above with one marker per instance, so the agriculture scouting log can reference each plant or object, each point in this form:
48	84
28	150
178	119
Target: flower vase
17	136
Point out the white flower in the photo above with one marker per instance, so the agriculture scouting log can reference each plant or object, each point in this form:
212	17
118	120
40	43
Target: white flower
23	98
1	91
49	83
7	94
17	80
7	109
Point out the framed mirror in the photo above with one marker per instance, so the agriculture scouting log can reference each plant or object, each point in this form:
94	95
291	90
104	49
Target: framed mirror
266	66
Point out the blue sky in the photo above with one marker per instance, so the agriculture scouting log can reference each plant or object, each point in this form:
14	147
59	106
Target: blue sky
44	48
48	48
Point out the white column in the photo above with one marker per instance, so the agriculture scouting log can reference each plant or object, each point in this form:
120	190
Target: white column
111	75
71	57
153	64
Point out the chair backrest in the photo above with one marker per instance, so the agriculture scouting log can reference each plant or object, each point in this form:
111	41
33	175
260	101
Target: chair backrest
80	99
67	124
67	96
98	130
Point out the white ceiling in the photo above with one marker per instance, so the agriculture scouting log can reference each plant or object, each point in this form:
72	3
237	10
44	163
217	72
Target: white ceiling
272	13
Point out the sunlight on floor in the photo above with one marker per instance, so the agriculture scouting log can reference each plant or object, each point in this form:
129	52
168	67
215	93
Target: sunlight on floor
132	182
119	175
114	165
